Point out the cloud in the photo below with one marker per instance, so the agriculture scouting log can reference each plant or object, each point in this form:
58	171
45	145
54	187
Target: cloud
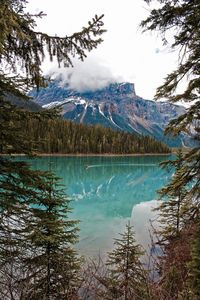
141	215
89	75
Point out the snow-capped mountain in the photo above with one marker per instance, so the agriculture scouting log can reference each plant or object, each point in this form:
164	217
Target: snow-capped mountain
116	106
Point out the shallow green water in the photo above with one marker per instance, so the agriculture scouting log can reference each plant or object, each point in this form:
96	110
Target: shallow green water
107	193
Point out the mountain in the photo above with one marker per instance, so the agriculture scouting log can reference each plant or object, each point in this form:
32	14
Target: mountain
23	103
116	106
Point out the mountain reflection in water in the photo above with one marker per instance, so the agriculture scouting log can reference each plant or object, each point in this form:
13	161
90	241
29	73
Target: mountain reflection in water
107	192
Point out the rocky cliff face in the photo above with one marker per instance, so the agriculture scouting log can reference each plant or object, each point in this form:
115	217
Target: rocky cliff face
116	106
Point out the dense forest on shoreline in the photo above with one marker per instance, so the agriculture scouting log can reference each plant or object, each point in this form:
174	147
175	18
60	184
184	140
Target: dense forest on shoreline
65	137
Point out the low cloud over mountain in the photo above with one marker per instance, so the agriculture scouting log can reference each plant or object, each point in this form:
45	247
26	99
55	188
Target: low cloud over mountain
88	76
116	106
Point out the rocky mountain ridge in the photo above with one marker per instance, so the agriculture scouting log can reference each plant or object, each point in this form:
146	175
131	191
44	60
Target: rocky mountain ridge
116	106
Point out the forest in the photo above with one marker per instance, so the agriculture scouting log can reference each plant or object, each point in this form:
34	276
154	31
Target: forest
38	259
61	136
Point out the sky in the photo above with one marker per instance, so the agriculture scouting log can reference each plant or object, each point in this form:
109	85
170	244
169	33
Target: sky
126	53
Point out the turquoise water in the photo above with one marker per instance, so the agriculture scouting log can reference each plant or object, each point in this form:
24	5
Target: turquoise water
108	192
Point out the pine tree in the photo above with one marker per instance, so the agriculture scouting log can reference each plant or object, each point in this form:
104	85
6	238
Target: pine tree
21	45
22	50
52	264
36	255
181	19
62	136
175	208
126	275
18	189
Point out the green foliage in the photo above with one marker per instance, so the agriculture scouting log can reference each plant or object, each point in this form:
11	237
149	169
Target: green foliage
178	23
36	255
126	276
12	123
194	265
52	262
181	19
16	192
61	136
37	260
23	47
174	211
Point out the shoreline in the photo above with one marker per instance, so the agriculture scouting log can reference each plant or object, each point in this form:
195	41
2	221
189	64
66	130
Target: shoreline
87	154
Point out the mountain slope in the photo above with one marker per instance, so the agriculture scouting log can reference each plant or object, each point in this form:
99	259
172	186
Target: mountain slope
23	103
116	106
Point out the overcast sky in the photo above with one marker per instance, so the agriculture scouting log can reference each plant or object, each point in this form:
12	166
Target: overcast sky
126	54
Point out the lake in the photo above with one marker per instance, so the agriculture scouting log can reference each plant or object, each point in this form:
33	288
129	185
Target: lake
107	192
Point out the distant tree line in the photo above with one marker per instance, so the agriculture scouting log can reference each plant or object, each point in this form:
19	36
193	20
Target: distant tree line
61	136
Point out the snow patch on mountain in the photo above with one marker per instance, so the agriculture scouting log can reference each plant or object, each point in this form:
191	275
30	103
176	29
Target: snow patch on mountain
63	102
84	113
116	106
100	110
